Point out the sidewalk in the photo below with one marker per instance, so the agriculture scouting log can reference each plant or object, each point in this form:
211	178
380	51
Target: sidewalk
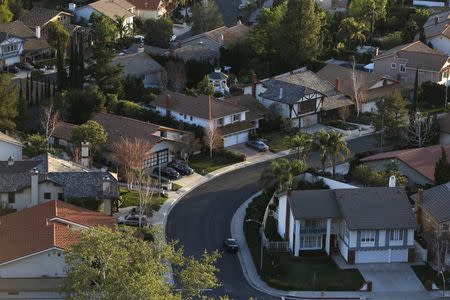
252	276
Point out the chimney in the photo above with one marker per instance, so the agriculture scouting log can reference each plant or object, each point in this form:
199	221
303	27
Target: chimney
72	7
106	187
337	84
392	181
34	187
417	207
254	81
11	161
209	108
281	94
419	199
38	32
377	51
106	190
85	161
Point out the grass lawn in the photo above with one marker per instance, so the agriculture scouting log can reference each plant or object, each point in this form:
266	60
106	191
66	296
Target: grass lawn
425	272
130	198
203	164
284	271
275	141
176	187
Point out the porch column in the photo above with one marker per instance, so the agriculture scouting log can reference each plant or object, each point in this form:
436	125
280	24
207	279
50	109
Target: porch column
327	239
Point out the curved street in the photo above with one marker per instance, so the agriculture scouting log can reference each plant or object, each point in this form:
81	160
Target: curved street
201	220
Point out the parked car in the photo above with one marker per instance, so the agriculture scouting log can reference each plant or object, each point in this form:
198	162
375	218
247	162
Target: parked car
11	69
25	66
181	167
231	245
132	219
167	172
258	145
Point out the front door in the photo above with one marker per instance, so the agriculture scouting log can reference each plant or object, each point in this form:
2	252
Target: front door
332	243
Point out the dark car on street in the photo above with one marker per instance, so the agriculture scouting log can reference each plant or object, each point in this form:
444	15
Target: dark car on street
258	145
231	245
167	172
181	167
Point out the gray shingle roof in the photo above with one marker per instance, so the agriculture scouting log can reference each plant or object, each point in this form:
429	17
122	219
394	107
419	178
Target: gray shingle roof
436	201
313	204
375	208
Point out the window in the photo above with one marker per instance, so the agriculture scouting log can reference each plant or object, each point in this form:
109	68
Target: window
60	196
236	118
445	227
311	242
47	196
307	106
312	224
220	122
185	117
11	198
396	235
10	48
192	118
393	66
161	156
402	68
367	237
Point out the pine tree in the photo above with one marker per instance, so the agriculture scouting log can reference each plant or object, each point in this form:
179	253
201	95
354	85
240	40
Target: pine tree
80	61
442	169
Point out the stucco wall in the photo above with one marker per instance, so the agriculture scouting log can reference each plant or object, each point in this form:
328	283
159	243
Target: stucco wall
7	150
23	198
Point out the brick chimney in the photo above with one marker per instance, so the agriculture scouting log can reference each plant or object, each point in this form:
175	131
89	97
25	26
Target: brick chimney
337	84
254	81
85	159
34	187
209	108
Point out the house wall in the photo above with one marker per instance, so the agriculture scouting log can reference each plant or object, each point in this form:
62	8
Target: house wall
149	14
291	230
50	263
440	43
444	138
413	176
11	57
281	215
23	198
8	149
369	107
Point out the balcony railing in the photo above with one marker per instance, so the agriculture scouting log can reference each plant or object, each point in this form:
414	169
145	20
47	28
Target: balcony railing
312	230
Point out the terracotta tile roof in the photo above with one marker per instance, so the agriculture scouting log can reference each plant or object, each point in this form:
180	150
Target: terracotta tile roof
197	106
40	16
19	29
146	4
444	124
32	230
113	8
418	55
422	160
367	80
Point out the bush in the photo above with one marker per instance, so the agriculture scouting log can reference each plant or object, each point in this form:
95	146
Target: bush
91	203
372	177
237	156
5	209
390	40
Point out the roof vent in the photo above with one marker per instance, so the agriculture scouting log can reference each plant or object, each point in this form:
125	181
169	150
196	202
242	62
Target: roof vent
280	96
11	161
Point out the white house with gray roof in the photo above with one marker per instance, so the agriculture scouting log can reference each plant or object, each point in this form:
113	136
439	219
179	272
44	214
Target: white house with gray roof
11	49
219	81
364	225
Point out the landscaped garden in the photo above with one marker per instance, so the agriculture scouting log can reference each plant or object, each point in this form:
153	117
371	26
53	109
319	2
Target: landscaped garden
343	125
283	271
274	139
202	163
131	198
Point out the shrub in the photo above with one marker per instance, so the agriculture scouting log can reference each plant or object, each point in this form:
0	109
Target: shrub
231	155
390	40
372	177
91	203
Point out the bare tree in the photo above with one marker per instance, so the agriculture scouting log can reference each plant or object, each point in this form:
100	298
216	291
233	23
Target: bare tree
50	118
131	156
212	137
440	243
420	132
358	88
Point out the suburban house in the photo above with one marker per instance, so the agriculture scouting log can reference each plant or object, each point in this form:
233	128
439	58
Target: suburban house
34	241
109	8
301	96
401	63
219	81
141	65
256	111
369	87
10	147
167	143
417	164
436	31
206	45
333	5
40	17
444	127
34	46
230	118
149	9
364	225
46	177
11	49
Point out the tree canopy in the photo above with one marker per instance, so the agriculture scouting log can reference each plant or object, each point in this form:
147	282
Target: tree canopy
205	16
205	87
8	102
158	32
58	37
91	132
5	13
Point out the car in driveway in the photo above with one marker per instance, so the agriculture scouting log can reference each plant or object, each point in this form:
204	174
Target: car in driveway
132	219
231	245
25	66
258	145
167	172
181	167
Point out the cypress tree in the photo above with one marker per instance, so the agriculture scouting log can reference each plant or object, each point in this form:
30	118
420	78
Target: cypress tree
80	61
442	169
73	64
36	91
42	88
27	89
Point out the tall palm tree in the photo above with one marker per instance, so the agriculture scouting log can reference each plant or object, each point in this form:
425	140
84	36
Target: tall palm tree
321	140
337	147
122	28
280	174
301	143
354	31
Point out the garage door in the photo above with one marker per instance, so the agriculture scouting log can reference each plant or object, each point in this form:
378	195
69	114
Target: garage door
243	137
230	140
399	255
374	256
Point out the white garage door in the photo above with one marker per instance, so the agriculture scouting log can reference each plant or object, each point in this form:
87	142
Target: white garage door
230	140
399	255
374	256
243	137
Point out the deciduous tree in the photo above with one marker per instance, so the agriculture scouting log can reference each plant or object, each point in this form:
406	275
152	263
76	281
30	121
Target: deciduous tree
50	118
212	137
8	102
91	132
5	14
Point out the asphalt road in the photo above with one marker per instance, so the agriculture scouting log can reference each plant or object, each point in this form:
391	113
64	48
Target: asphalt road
201	220
229	10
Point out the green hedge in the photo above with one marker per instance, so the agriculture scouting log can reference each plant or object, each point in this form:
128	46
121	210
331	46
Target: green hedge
91	203
237	156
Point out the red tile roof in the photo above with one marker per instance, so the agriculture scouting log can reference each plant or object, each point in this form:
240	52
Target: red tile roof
422	160
43	227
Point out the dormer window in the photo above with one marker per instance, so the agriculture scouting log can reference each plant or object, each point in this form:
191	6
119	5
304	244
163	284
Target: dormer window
393	66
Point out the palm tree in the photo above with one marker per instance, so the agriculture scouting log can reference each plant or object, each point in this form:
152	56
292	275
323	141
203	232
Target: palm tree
337	147
301	142
122	28
354	30
280	174
321	140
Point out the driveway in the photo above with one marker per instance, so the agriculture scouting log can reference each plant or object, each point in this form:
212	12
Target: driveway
398	277
251	153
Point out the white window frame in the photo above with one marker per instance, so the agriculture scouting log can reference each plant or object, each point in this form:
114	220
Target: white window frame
396	237
310	242
445	227
393	66
402	68
367	238
220	122
233	118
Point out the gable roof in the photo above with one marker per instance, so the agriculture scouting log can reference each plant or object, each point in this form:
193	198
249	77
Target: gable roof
256	110
113	8
223	36
19	29
365	208
332	72
197	106
418	55
422	160
437	24
138	64
32	230
436	201
63	131
40	16
10	140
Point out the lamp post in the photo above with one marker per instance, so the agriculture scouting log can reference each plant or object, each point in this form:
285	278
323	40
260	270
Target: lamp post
260	234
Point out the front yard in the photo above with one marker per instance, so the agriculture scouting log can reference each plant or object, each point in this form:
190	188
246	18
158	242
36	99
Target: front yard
131	198
275	141
284	271
203	164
